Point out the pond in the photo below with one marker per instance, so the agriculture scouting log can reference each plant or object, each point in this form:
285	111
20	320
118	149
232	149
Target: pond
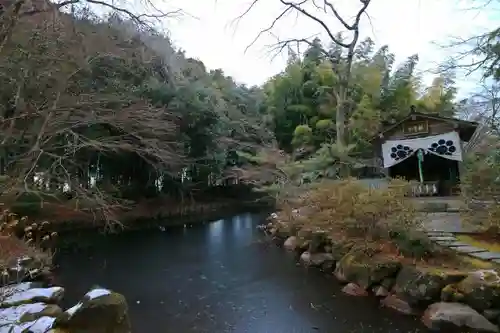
217	277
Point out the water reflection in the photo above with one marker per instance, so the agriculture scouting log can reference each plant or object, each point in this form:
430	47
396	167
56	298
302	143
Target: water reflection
219	277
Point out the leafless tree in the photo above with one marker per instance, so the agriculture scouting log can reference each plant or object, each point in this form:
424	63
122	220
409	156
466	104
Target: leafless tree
483	106
51	113
343	72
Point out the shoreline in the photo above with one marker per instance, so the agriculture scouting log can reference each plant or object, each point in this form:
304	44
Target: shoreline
149	217
443	297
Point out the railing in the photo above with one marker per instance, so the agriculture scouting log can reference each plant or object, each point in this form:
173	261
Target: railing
424	189
418	189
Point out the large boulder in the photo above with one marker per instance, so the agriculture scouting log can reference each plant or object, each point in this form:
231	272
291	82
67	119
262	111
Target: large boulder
421	286
28	308
24	308
444	315
364	269
480	290
291	243
100	311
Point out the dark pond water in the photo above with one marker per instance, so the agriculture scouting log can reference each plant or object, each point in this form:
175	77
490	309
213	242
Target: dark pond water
218	277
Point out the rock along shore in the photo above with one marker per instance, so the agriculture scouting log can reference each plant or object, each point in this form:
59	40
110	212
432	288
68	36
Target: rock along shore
28	306
443	298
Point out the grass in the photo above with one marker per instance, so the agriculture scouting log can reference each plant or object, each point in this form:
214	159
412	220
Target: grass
477	263
489	245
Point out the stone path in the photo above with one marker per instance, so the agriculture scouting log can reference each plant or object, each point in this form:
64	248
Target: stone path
446	222
442	228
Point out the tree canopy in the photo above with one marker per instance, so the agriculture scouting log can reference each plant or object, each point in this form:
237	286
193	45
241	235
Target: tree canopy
108	109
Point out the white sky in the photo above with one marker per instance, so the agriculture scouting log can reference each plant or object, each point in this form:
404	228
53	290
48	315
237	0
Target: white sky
407	26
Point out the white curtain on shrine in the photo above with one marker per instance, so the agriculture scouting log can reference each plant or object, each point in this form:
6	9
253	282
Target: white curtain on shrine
446	145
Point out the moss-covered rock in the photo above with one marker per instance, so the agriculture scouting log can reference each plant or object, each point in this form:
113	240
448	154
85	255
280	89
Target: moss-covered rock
100	311
445	315
480	290
365	270
339	248
318	241
421	286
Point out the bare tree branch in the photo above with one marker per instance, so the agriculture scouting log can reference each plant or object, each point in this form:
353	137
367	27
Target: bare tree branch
345	74
53	119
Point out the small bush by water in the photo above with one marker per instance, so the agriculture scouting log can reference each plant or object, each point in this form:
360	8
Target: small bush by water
381	218
25	248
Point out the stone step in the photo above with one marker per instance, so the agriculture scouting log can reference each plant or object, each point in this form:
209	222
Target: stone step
469	249
486	255
442	238
439	234
452	244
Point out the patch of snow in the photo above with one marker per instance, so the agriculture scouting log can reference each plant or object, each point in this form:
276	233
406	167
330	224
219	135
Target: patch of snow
274	216
98	292
71	311
29	294
13	314
11	329
41	325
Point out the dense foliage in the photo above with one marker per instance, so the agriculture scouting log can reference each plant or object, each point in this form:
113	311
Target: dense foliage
302	100
301	105
108	109
380	219
105	110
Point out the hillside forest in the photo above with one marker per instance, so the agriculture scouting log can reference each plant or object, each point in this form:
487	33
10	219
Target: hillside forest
105	111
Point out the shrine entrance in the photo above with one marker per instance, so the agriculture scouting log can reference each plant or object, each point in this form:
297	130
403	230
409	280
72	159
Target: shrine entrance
440	176
425	148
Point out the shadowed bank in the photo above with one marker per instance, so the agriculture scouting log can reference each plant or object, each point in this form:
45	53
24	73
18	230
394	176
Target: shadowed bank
217	277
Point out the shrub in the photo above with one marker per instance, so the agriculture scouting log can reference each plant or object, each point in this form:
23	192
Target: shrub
32	236
480	183
349	208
